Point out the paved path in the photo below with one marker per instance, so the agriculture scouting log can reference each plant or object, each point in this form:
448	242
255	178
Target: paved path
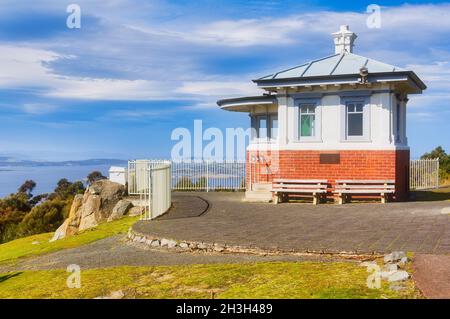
432	275
115	251
358	228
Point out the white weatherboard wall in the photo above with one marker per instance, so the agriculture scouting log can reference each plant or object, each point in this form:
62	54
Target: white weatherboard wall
118	175
381	132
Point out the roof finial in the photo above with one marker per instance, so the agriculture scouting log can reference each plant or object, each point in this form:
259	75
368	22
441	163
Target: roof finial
343	40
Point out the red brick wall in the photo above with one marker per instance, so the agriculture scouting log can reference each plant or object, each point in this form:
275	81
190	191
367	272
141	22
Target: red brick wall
353	165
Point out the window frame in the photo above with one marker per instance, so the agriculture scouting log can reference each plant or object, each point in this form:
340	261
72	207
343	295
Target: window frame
316	102
255	119
365	101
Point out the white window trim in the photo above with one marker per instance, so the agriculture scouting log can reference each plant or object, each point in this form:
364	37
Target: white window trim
317	138
365	100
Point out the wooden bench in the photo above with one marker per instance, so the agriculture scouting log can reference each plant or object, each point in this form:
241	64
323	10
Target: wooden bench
282	188
346	188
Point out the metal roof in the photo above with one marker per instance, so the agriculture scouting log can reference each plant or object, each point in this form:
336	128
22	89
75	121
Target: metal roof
337	64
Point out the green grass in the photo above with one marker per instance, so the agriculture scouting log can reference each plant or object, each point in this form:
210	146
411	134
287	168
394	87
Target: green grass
257	280
11	251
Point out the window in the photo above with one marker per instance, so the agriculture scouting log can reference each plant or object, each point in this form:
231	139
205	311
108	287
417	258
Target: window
355	119
273	121
261	129
307	125
266	126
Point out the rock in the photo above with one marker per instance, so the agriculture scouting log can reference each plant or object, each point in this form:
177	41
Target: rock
184	245
390	267
218	248
122	207
95	206
155	243
386	274
136	211
202	246
36	242
113	295
168	242
403	261
394	256
398	276
60	232
89	212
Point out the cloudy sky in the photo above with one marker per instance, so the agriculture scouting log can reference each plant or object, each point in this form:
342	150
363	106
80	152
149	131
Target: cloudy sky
138	69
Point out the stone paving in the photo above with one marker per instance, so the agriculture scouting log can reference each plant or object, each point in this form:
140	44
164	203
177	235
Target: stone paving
354	228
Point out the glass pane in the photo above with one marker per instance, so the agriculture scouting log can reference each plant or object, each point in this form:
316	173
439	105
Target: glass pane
355	124
359	107
307	125
274	126
350	108
304	109
262	127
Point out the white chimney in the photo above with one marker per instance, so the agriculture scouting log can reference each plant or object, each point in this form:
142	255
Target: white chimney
343	40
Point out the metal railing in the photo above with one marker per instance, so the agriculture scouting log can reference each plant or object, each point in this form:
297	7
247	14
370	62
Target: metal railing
204	175
151	180
194	175
424	174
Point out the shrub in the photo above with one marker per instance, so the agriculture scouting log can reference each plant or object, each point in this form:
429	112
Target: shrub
444	162
44	218
95	176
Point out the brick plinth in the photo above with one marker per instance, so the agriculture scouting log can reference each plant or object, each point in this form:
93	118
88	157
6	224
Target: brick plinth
264	166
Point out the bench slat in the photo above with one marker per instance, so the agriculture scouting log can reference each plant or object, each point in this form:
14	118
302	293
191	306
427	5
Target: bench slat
364	191
365	186
310	191
301	181
299	186
368	181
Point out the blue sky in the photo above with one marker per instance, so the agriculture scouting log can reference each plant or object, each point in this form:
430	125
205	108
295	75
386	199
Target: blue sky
138	69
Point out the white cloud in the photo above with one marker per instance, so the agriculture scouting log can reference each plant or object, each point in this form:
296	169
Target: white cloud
25	67
38	108
218	88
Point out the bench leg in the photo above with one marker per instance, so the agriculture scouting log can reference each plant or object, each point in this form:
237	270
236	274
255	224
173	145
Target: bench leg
383	198
315	199
275	199
341	199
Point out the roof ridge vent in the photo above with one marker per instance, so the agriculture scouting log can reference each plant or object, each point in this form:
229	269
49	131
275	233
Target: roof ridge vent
344	40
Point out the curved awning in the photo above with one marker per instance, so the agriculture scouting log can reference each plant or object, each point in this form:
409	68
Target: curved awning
244	104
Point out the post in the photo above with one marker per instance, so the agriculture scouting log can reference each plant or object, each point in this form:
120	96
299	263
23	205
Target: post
207	177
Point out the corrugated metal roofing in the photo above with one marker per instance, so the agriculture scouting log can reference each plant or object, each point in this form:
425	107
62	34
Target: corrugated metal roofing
337	64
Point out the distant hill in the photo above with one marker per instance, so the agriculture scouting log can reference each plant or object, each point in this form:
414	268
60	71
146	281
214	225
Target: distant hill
13	162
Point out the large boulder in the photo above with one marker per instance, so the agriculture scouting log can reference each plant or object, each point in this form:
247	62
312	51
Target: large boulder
121	208
98	203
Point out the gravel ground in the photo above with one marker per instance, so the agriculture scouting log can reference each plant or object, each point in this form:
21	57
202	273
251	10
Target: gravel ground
116	251
432	275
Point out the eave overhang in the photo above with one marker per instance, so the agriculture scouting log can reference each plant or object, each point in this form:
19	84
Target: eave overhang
245	104
412	81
